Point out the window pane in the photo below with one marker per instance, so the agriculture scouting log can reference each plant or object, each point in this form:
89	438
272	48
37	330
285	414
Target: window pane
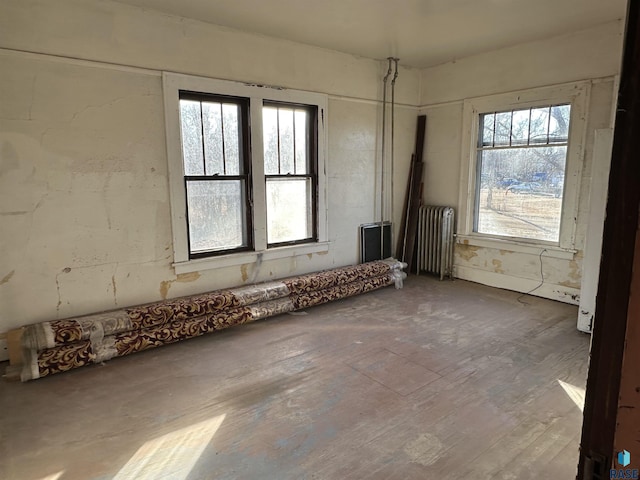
503	128
539	125
286	140
270	140
486	123
559	126
301	142
231	137
213	138
191	128
520	127
216	213
520	192
289	212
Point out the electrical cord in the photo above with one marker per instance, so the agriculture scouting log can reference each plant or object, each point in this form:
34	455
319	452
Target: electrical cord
541	281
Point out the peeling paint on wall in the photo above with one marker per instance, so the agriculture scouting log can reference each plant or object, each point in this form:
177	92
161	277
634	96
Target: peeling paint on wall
570	284
188	277
243	272
497	266
467	251
575	297
165	285
7	277
182	278
574	272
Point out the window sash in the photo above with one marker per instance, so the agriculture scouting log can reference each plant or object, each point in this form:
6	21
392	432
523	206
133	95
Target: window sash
227	141
240	174
540	135
538	127
311	160
244	216
527	209
302	211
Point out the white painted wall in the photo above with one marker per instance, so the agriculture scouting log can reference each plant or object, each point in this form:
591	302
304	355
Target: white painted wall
592	55
84	197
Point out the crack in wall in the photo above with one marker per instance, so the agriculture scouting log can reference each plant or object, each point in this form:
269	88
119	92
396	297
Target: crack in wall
64	270
33	95
115	290
109	104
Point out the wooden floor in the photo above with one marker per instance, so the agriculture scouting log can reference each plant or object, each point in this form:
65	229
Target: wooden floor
439	380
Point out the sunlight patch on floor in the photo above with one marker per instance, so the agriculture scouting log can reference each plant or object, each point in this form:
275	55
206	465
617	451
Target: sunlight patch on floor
575	393
53	476
172	455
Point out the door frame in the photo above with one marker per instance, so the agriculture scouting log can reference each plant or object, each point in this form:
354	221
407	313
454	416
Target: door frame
615	284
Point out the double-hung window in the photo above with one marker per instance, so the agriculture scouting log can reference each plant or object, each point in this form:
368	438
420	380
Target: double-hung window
216	162
290	172
520	159
246	172
521	167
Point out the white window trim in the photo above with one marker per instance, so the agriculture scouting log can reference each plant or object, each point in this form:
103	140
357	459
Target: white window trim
577	94
172	83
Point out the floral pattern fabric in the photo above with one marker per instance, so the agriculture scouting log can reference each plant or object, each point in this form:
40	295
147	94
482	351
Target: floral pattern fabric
62	345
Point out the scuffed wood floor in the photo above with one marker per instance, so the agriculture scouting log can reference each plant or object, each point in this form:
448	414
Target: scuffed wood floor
440	380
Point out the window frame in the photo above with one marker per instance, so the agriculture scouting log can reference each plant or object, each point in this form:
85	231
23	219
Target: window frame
482	148
312	152
257	95
575	94
245	161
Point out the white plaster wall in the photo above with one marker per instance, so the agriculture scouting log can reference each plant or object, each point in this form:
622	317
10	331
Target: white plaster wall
442	154
586	55
84	197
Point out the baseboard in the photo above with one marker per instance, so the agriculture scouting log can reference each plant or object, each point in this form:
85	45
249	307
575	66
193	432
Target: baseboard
508	282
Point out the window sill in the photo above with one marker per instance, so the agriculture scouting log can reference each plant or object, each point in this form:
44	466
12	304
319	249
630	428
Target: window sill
201	264
552	251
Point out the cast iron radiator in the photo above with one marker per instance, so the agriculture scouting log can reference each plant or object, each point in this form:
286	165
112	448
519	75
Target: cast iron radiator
435	240
60	345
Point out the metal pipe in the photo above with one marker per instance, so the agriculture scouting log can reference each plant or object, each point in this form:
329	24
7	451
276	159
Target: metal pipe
393	105
384	115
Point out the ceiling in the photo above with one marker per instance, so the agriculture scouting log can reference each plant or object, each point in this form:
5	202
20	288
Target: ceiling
421	33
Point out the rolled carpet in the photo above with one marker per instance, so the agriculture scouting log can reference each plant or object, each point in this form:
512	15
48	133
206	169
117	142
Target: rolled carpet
61	345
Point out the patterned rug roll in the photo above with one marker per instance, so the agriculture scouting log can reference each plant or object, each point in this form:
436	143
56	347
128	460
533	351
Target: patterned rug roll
313	298
61	345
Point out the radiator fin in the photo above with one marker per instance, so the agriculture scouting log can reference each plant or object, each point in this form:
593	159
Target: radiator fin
435	240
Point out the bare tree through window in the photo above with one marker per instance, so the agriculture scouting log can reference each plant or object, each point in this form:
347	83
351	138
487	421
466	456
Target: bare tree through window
290	172
521	161
216	167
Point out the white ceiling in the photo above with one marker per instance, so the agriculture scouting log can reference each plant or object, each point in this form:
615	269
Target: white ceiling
420	32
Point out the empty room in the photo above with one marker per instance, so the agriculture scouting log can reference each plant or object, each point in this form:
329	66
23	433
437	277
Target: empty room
376	239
